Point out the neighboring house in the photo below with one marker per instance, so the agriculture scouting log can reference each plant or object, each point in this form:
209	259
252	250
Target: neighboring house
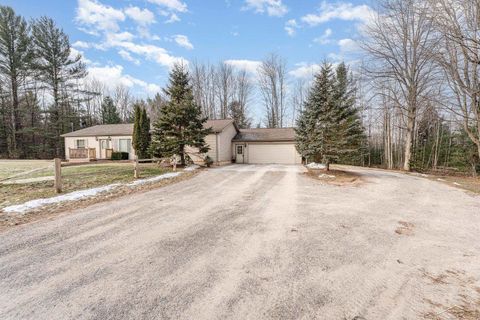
98	142
227	143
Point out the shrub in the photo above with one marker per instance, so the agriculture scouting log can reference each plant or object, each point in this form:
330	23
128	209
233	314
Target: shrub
119	155
208	161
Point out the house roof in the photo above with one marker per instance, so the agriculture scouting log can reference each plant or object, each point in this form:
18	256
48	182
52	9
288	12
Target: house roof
265	135
103	130
127	129
220	124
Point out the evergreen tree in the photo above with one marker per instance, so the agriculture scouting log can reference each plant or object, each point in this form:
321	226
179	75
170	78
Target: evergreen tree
181	123
57	70
141	131
329	127
15	58
352	139
145	129
137	130
109	112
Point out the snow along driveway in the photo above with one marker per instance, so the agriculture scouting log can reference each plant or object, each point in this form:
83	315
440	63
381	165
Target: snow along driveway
251	242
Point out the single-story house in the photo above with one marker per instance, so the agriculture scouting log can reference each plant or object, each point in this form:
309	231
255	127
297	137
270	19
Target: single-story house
227	143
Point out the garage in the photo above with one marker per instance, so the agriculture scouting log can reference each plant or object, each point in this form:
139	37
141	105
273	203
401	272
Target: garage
272	153
266	146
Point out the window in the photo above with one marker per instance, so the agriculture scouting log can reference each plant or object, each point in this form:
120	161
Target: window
80	144
239	149
125	145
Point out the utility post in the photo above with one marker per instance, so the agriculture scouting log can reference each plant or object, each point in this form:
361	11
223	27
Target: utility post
58	175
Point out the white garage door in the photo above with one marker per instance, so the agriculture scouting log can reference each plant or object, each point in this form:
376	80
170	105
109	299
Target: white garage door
273	153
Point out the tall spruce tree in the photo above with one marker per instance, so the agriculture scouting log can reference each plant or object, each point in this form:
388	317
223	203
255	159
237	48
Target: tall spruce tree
352	139
329	127
181	122
109	112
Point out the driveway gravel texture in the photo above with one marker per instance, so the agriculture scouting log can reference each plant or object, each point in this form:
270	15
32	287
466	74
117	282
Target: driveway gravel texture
252	242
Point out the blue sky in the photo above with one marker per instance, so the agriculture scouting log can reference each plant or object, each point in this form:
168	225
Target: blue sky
133	42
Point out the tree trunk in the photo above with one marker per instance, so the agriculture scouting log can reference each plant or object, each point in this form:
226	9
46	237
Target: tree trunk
409	139
182	155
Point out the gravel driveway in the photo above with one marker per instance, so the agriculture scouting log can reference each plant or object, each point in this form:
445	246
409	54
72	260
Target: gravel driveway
252	242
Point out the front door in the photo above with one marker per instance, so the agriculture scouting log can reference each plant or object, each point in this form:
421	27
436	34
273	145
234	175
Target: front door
103	148
240	152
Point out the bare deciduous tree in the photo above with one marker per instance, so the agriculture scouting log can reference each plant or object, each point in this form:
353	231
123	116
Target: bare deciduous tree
401	42
458	22
272	83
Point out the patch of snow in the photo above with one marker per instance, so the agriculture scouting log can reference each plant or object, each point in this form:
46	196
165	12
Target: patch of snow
440	179
72	196
318	166
82	194
193	167
326	176
154	179
457	184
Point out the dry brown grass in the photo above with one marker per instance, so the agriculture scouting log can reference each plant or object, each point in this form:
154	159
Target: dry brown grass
335	177
51	211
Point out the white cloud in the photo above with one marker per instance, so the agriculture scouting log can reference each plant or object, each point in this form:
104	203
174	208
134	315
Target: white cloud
151	52
81	44
291	27
340	10
325	37
248	65
173	18
274	8
112	76
113	38
348	46
183	41
98	16
127	56
141	16
174	5
304	70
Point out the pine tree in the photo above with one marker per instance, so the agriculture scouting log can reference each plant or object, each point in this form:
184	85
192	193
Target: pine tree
57	69
109	112
351	139
15	59
329	127
180	123
315	123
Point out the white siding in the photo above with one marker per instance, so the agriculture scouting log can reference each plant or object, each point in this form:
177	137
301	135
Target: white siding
225	144
210	140
92	142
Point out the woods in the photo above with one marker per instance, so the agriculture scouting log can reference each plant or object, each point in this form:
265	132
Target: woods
418	87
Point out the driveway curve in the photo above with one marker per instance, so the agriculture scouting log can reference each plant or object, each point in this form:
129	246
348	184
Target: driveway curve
252	242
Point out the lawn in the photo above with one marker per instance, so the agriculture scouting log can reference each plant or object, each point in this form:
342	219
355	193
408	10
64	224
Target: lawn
76	177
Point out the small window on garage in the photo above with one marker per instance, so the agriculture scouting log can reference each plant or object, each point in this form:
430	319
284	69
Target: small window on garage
239	149
80	143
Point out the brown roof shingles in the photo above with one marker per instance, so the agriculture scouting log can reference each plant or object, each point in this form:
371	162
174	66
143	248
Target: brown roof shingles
103	130
243	135
265	135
